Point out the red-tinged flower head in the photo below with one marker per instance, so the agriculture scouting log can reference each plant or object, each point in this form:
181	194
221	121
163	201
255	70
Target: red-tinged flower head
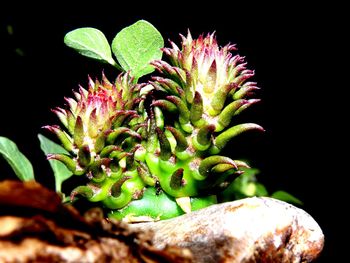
205	76
94	111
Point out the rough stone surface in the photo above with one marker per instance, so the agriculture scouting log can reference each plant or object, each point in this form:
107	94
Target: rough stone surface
36	227
248	230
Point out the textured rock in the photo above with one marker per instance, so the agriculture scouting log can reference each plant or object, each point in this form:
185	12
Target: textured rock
36	227
247	230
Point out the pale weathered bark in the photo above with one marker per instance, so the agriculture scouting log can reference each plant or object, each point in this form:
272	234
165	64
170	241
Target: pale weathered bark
247	230
36	227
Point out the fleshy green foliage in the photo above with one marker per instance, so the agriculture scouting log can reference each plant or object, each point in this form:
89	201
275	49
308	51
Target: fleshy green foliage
19	163
60	171
136	46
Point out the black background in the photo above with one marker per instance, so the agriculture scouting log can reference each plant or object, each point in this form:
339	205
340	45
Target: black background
288	46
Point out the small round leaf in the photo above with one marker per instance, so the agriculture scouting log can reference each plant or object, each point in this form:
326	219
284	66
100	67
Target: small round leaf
136	46
90	42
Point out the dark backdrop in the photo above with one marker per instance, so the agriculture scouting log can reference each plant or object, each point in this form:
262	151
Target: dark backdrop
285	45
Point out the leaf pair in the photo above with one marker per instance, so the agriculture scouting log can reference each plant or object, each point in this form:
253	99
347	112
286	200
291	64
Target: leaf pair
134	47
22	166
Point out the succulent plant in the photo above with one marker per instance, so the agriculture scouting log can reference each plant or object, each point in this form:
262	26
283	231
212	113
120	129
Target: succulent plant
152	150
203	88
102	137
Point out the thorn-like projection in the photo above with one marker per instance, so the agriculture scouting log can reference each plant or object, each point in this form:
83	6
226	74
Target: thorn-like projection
158	87
119	131
65	159
139	126
196	109
181	142
118	155
176	179
78	135
165	68
109	149
97	173
169	85
145	174
130	158
184	203
101	162
220	173
100	142
189	88
223	167
105	81
212	72
228	112
204	135
127	119
71	103
62	115
159	117
82	190
246	105
245	74
121	117
226	136
116	189
165	148
71	122
165	105
208	163
219	98
247	89
84	156
184	113
241	164
151	133
62	136
93	124
230	177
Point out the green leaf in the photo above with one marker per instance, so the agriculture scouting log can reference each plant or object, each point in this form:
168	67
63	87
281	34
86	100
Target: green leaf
136	46
19	163
284	196
90	42
60	171
260	190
